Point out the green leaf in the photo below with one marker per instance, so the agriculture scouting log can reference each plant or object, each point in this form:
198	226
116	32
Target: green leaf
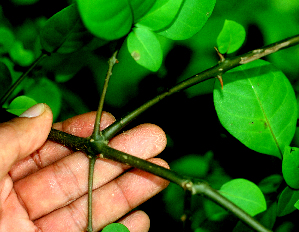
271	183
297	205
290	166
20	55
191	18
141	7
5	78
64	32
231	37
258	106
7	39
145	48
286	201
161	14
108	20
20	104
245	194
46	91
115	227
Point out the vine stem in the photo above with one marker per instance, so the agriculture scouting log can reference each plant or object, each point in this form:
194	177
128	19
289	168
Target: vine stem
21	78
217	71
111	62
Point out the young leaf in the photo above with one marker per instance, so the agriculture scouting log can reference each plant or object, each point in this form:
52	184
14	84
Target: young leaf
20	104
290	166
115	227
161	14
64	32
245	194
258	106
190	19
141	7
5	80
145	48
231	37
286	201
20	55
46	91
108	20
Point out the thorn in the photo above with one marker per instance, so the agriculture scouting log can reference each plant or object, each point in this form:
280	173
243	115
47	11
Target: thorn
221	81
220	55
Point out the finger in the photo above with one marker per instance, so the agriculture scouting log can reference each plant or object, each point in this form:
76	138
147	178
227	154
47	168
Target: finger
110	202
66	180
137	221
50	152
23	135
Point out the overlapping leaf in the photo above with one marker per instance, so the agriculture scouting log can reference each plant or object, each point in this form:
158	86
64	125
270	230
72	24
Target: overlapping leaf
190	19
145	48
108	20
258	106
140	7
64	32
161	14
245	194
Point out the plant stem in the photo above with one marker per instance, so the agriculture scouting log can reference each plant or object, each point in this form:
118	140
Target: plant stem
218	70
96	132
90	186
21	78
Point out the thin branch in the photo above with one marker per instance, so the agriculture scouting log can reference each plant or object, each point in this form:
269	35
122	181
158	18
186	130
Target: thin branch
218	70
21	78
90	186
96	132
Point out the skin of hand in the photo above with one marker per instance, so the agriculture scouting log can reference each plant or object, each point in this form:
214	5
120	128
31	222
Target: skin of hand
43	185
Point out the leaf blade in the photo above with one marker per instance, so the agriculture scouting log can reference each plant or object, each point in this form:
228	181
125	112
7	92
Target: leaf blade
108	20
191	18
258	106
145	48
245	194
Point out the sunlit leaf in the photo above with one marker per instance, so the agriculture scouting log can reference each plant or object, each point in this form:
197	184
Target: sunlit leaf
46	91
64	32
290	166
140	7
115	227
231	37
258	106
191	18
108	20
246	195
20	104
145	48
286	201
161	14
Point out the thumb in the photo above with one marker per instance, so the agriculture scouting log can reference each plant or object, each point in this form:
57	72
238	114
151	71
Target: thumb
21	136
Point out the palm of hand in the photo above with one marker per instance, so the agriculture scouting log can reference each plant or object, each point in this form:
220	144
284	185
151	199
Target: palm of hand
47	191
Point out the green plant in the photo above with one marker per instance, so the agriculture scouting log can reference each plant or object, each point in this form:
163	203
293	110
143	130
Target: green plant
256	104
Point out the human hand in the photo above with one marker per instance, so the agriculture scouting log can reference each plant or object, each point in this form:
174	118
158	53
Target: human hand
44	188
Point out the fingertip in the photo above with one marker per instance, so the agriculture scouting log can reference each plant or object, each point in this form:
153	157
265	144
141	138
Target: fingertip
137	221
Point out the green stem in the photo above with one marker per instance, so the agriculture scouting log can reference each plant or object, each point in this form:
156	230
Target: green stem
90	186
21	78
218	70
96	131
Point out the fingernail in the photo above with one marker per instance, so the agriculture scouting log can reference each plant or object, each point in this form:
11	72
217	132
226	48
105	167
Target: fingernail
34	111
